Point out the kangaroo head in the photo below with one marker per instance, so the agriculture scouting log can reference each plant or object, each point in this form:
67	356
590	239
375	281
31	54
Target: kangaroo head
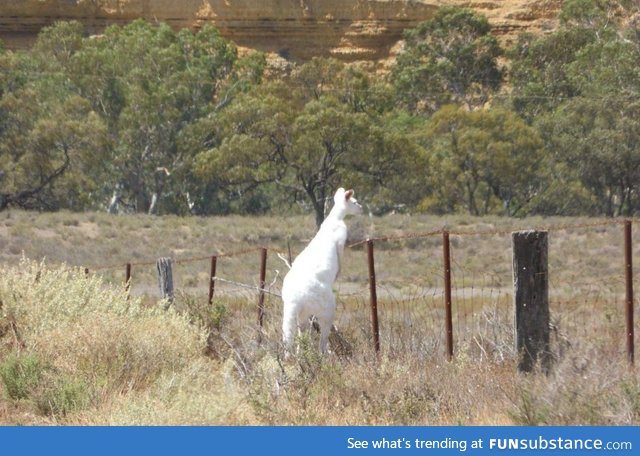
346	201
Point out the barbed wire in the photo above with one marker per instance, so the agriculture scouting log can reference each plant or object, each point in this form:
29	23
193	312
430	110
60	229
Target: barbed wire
180	260
387	238
411	311
501	232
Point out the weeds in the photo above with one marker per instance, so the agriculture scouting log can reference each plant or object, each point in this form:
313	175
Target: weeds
62	395
91	356
27	378
21	375
75	349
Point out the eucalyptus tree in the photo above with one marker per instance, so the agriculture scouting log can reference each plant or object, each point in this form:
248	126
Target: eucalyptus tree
598	131
317	130
540	63
484	161
49	136
452	58
151	84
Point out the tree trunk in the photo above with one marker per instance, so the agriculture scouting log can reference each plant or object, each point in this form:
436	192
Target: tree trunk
115	200
153	205
318	206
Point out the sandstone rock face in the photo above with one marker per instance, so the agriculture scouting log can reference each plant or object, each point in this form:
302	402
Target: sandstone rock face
351	30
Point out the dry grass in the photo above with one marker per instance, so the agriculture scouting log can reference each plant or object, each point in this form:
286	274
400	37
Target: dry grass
74	349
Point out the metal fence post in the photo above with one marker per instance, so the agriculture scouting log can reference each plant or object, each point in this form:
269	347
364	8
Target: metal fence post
374	297
214	260
263	274
628	261
127	279
446	255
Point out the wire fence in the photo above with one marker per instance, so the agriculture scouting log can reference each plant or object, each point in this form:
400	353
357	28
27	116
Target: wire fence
587	290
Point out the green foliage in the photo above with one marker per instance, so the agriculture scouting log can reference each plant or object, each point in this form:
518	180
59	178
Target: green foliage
27	377
122	102
165	121
450	58
61	396
483	157
564	194
46	131
579	86
21	375
539	71
591	13
217	315
307	135
149	84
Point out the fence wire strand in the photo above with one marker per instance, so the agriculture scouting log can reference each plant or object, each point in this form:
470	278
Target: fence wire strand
411	310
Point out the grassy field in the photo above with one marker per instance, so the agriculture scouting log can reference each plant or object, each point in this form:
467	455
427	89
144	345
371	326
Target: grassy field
76	350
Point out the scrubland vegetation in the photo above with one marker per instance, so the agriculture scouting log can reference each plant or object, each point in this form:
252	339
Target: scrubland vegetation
75	349
148	120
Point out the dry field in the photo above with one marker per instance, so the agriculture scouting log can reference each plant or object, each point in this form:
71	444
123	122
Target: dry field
75	350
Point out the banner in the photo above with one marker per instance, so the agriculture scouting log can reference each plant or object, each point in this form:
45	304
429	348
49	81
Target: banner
326	441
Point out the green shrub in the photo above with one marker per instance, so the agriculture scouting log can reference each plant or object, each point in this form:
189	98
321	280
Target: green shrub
62	395
21	375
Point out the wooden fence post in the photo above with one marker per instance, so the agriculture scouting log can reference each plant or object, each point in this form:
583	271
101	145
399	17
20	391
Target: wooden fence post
165	280
374	297
446	255
531	298
628	263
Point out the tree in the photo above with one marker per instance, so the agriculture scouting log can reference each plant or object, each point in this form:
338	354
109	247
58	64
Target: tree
150	85
480	157
579	86
587	112
50	139
598	132
539	72
308	135
451	58
601	147
303	152
47	152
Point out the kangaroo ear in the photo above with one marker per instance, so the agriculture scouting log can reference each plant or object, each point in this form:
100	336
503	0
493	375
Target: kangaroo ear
348	194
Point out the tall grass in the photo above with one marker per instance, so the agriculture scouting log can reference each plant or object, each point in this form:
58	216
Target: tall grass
75	349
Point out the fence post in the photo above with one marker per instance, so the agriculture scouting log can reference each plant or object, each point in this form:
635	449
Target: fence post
214	260
446	255
628	262
531	298
263	274
127	279
374	297
165	280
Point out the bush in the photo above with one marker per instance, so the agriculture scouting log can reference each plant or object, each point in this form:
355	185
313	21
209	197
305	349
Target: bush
62	395
88	341
21	375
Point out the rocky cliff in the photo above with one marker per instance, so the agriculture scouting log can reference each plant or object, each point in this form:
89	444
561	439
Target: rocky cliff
294	29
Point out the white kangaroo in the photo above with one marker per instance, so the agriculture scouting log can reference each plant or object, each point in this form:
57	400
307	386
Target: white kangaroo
307	288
